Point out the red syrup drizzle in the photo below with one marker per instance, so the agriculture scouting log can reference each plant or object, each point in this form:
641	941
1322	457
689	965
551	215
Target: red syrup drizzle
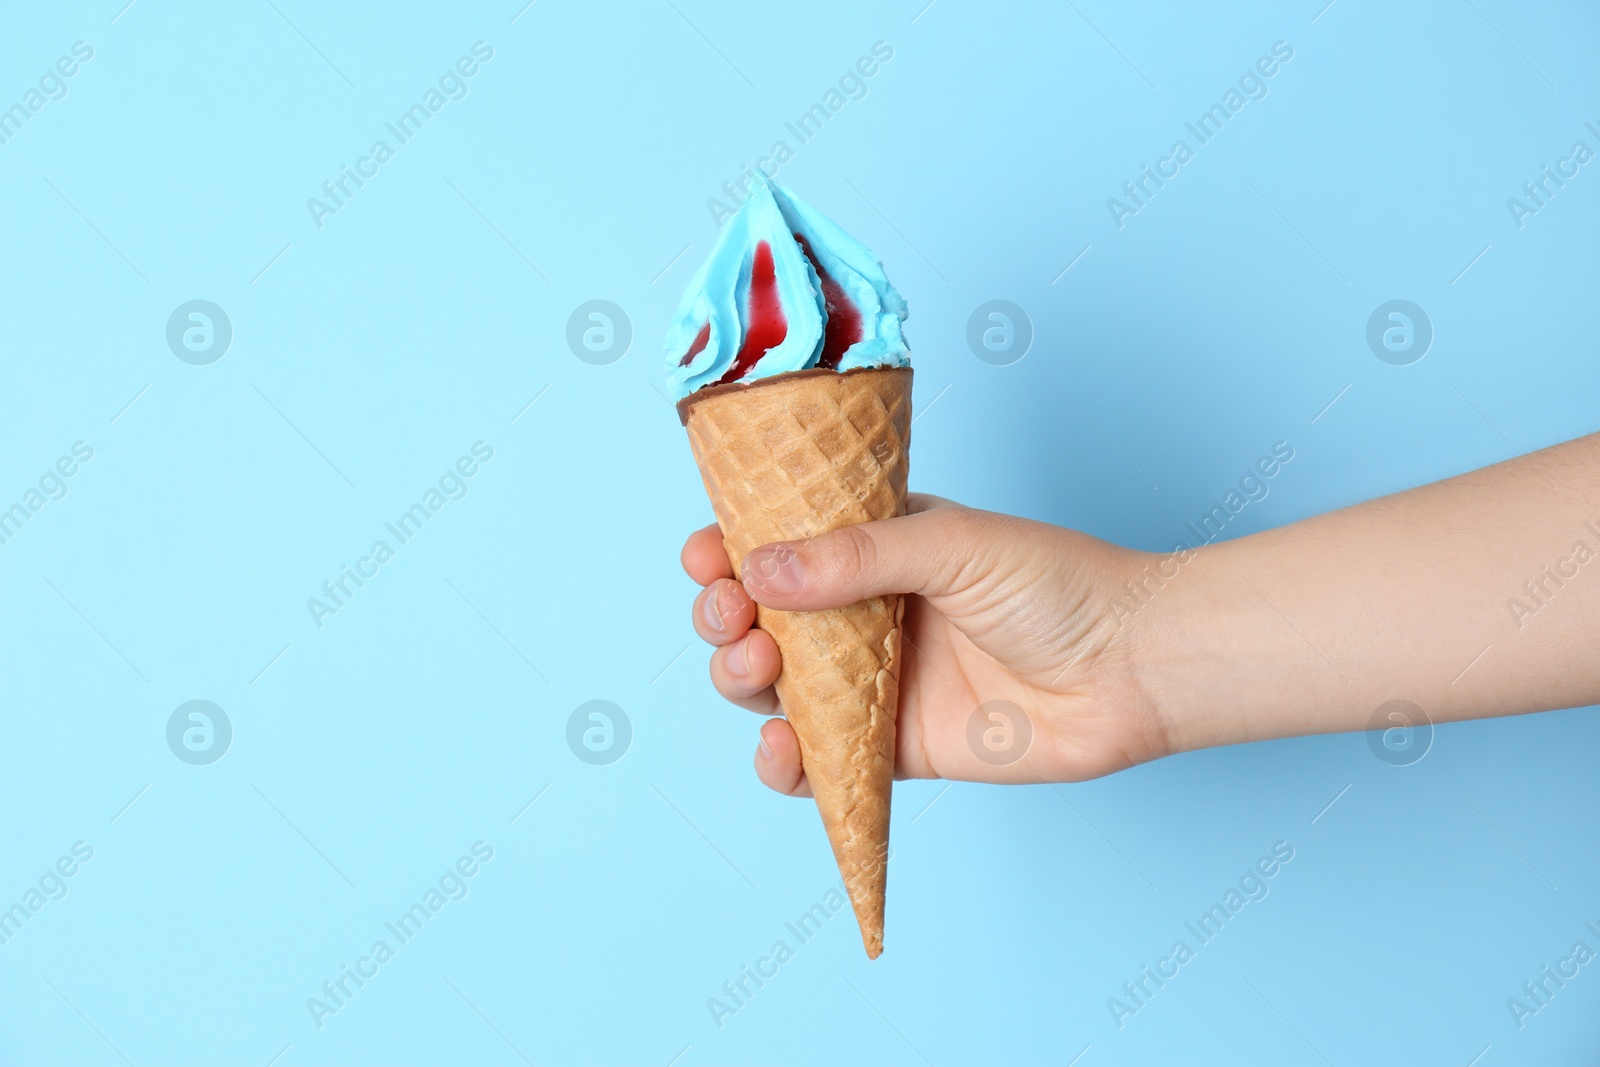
699	345
844	318
767	327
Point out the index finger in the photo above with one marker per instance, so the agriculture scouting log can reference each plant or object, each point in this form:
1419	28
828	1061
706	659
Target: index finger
704	558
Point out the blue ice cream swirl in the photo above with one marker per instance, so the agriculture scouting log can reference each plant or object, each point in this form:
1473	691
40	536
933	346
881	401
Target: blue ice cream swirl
784	289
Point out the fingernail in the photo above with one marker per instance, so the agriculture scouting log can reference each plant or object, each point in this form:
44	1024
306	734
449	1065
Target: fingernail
766	753
738	663
774	569
712	611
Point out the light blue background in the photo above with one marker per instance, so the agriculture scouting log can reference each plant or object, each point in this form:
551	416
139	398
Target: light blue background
371	753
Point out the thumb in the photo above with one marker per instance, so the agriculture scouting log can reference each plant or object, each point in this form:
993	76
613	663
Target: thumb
924	553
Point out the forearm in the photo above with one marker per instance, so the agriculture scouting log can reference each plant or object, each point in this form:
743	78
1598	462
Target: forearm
1475	596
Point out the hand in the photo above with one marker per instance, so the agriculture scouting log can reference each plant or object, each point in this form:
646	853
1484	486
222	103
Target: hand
1000	609
1465	598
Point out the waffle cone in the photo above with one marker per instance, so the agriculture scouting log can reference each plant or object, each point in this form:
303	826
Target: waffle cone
791	457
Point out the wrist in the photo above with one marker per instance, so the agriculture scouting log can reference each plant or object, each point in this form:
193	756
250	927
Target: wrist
1151	612
1192	640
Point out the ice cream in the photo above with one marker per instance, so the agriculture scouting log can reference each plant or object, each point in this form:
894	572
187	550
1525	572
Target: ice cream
794	384
784	289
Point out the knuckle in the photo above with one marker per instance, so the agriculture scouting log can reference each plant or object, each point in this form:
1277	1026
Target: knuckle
958	521
959	551
851	551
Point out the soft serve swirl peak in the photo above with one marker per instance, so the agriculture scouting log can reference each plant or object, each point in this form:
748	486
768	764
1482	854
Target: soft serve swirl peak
784	289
